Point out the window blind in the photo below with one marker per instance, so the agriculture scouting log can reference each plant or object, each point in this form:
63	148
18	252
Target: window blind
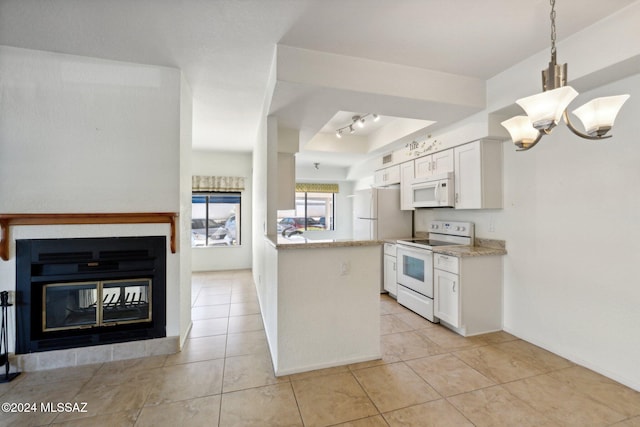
217	183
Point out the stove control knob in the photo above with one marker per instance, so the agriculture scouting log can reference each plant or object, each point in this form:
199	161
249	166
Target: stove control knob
460	228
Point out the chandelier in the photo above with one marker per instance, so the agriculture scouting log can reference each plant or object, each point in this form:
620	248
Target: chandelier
545	109
356	121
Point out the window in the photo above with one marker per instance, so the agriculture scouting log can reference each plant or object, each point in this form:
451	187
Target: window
314	211
215	219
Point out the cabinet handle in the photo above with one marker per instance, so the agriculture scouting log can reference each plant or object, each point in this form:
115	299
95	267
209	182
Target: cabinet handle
454	286
456	198
394	266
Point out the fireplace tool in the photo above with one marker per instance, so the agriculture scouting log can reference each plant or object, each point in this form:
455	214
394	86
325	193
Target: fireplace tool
4	340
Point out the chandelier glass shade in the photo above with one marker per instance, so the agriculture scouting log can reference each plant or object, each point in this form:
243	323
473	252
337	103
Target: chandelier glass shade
545	110
598	115
522	131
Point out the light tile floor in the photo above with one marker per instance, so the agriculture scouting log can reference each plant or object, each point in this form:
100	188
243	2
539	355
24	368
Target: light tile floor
428	376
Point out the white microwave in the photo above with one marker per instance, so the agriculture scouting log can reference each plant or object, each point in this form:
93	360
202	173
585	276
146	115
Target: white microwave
433	192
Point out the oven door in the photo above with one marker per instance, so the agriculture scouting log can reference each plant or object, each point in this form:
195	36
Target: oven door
415	269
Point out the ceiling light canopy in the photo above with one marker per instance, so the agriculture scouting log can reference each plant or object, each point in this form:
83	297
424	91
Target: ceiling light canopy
357	120
546	109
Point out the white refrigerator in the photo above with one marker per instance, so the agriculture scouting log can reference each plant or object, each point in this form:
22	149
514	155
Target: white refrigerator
377	215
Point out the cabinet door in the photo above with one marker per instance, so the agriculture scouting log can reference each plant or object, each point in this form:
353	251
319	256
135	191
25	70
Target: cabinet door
442	162
406	178
392	175
446	299
387	176
468	176
378	178
390	281
423	167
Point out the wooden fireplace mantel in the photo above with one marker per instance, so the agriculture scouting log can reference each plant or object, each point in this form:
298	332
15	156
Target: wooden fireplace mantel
7	220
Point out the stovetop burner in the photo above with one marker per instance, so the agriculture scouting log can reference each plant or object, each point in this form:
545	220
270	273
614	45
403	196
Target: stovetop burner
443	233
426	242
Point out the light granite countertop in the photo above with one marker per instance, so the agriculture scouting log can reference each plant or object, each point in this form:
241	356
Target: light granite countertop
299	242
483	247
461	251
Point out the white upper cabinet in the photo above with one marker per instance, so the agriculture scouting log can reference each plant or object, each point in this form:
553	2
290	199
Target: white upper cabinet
406	178
478	175
443	162
434	164
387	176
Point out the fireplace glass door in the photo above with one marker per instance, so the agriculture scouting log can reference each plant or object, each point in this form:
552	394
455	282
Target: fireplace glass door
70	306
93	304
126	301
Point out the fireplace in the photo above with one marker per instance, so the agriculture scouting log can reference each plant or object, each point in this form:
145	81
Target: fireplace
89	291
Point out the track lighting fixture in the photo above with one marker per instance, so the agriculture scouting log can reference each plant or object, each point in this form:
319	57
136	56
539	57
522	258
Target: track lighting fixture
546	109
357	120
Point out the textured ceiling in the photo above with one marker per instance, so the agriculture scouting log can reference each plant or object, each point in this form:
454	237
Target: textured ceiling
225	47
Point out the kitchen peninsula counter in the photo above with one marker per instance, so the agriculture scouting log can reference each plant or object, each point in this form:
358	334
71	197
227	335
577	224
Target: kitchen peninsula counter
296	242
320	302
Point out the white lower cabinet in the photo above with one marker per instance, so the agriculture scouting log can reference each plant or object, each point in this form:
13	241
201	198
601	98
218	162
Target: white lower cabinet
468	293
447	295
390	279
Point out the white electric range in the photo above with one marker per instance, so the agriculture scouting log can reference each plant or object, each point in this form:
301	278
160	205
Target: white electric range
415	264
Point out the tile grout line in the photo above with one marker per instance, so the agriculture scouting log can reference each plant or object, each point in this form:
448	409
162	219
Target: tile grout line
224	360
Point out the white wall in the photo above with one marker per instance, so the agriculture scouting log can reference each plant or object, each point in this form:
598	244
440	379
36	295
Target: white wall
86	135
186	111
81	135
226	257
570	220
324	318
259	209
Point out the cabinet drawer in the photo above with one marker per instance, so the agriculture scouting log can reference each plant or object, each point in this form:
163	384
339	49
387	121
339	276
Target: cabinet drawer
390	249
446	262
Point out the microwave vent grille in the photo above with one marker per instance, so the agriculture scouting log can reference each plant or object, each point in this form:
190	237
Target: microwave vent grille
387	159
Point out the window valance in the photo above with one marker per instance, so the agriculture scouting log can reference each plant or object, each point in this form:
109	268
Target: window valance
317	188
217	183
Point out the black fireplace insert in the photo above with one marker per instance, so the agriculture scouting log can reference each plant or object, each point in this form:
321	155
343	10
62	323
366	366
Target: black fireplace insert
89	291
